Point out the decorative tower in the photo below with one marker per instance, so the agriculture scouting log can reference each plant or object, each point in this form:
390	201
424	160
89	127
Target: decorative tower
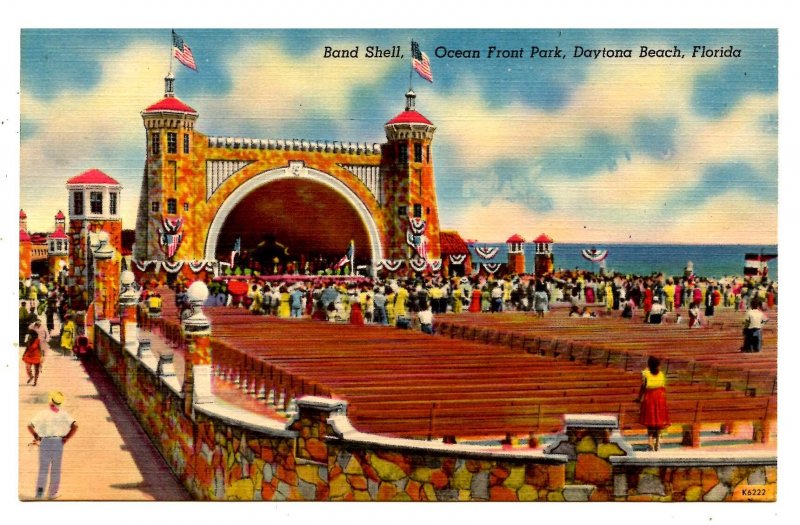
165	201
516	254
24	247
58	247
407	166
543	262
94	200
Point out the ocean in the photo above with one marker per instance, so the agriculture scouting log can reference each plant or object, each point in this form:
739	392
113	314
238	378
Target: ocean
709	260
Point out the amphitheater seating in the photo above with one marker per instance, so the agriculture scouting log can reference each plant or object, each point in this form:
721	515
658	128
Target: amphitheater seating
486	375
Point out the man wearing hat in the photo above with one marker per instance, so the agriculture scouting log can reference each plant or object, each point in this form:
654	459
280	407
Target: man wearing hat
51	429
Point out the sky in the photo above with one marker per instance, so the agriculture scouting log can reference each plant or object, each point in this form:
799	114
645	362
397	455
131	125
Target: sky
586	149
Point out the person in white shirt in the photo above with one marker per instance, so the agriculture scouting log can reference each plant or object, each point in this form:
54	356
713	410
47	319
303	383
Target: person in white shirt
51	429
425	318
754	320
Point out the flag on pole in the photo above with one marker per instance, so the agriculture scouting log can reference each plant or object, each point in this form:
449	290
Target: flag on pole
420	62
347	257
756	263
182	51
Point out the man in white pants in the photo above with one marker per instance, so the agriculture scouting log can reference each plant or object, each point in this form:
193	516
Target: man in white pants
51	429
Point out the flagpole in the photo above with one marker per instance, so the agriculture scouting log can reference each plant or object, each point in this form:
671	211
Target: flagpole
172	35
411	70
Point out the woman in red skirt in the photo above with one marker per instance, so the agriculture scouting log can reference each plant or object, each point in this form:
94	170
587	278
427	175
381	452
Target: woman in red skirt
653	413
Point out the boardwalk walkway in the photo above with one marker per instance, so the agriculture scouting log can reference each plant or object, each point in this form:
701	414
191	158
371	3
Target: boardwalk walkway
110	457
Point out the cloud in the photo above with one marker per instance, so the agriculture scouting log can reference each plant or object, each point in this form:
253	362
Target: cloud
79	130
275	88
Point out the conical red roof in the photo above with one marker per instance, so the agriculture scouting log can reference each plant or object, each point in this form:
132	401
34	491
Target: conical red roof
170	104
22	214
58	234
515	238
60	216
24	237
93	176
410	117
543	238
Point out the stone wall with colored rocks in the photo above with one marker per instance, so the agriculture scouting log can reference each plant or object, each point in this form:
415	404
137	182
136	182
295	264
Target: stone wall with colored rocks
214	459
357	474
319	456
686	482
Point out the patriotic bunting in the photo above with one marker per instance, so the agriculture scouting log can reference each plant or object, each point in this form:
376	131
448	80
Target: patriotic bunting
436	264
172	267
391	265
418	265
486	253
170	235
594	255
491	267
141	265
458	259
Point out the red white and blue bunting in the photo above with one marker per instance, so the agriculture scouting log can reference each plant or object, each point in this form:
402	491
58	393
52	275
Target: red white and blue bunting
170	236
172	267
390	265
594	255
486	253
458	259
198	266
492	267
436	264
418	265
417	225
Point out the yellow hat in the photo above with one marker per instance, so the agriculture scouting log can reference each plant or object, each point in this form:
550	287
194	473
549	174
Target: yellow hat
56	397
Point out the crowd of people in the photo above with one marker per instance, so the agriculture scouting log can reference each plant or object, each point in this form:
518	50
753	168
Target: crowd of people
413	302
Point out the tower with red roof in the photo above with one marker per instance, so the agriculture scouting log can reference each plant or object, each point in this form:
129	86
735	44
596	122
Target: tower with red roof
543	260
94	206
171	186
407	168
516	254
58	247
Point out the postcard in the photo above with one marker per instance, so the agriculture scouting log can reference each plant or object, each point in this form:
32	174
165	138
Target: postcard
420	265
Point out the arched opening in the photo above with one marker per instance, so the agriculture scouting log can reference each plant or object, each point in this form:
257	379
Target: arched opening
287	224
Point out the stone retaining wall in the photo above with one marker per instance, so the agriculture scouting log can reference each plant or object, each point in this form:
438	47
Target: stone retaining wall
220	452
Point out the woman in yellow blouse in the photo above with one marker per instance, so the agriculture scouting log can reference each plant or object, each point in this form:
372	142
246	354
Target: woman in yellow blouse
653	412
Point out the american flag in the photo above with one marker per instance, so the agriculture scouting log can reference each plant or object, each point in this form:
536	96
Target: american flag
182	51
420	62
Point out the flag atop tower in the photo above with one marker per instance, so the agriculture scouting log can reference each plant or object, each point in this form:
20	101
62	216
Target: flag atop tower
420	62
182	51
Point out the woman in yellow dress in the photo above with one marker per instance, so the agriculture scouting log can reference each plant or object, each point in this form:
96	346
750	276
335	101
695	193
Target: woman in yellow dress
284	310
68	333
457	304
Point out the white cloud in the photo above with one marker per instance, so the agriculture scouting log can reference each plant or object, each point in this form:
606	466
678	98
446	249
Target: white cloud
79	130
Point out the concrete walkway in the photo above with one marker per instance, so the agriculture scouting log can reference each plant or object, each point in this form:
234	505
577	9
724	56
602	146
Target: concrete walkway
110	457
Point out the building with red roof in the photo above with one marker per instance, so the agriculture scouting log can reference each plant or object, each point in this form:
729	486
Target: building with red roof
544	261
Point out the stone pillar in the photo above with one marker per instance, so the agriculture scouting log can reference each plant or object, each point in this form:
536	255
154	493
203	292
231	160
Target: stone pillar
589	441
128	302
106	276
198	369
311	424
